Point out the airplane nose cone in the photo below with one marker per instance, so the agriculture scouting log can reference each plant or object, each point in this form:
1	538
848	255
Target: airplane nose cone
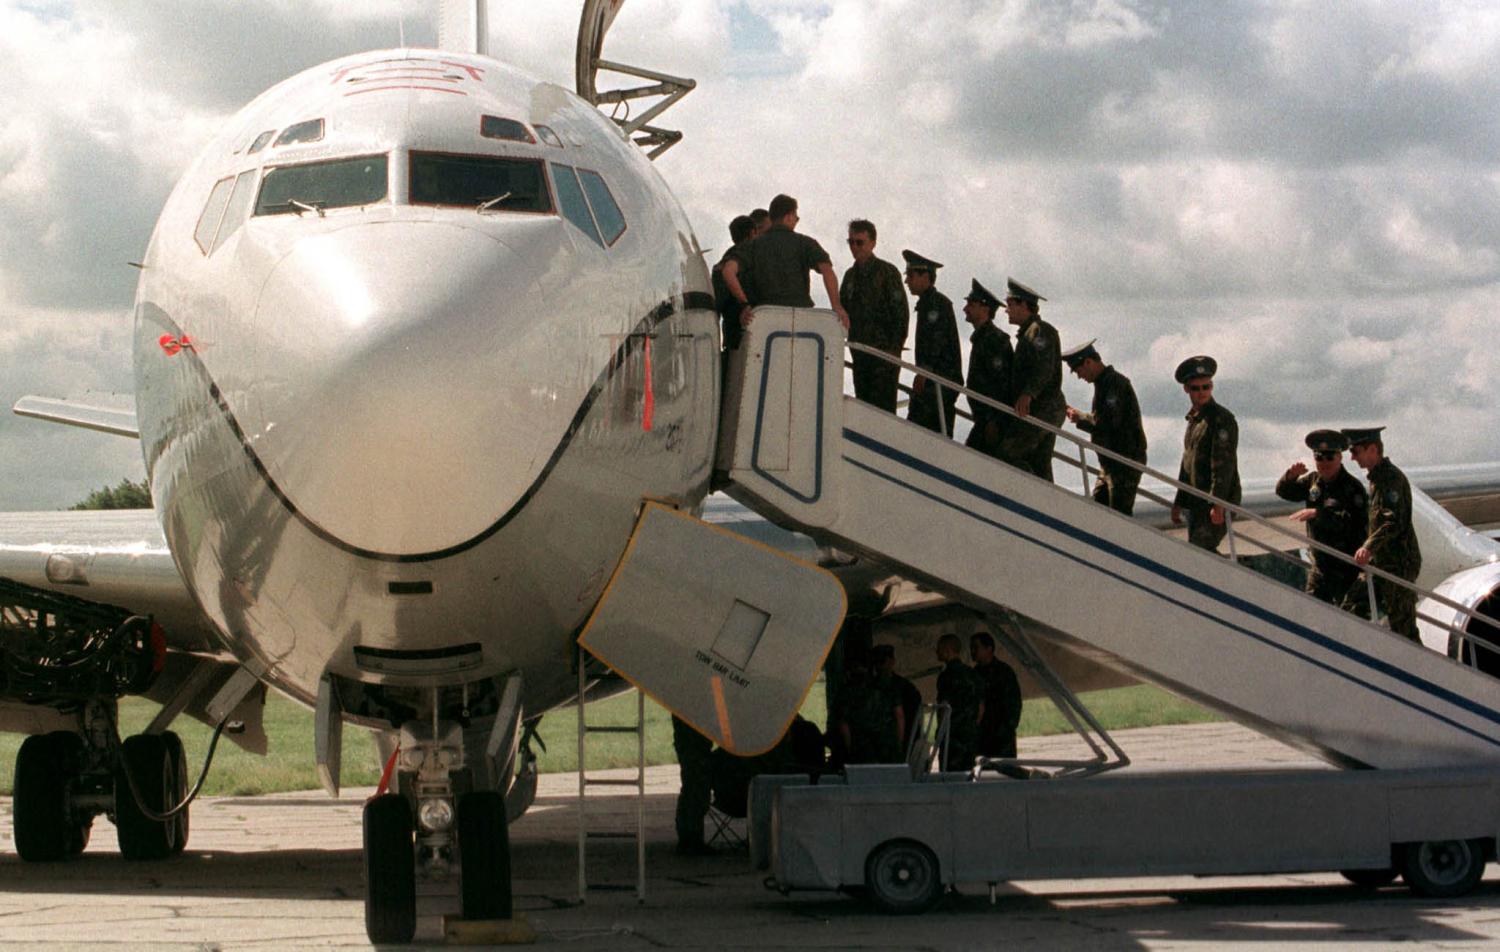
397	421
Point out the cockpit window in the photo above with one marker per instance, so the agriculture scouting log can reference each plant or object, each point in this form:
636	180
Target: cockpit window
260	142
213	211
574	207
310	130
485	182
493	127
546	134
606	211
316	186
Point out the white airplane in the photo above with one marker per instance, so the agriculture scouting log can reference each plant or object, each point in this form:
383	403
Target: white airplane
417	336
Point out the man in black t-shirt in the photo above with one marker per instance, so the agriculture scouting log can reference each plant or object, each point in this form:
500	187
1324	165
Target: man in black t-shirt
778	264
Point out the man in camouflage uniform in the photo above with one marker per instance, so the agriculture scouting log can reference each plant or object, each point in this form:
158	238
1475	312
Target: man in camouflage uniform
872	724
1002	698
1036	380
990	358
1390	543
1209	460
1335	512
741	230
962	690
937	347
1114	423
872	294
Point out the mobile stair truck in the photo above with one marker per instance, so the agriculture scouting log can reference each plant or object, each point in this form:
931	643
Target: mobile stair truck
1417	735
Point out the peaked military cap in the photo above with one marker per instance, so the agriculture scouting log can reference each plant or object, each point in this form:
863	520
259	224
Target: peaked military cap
1199	366
1081	353
1018	290
916	262
981	295
1327	441
1362	434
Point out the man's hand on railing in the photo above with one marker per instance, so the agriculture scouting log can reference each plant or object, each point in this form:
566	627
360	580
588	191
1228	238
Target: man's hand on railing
1176	515
842	315
1216	515
1303	515
747	314
1023	405
1362	556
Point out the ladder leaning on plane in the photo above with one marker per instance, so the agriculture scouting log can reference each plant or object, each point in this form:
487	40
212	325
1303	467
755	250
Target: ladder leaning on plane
1002	540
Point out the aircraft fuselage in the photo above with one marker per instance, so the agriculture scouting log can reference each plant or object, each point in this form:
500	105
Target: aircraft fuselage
403	384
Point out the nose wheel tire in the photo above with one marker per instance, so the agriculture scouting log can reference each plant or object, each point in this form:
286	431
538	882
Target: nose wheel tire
1441	869
484	852
902	877
148	759
44	825
390	871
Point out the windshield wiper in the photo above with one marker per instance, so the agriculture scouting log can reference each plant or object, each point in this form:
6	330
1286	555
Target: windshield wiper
490	203
305	207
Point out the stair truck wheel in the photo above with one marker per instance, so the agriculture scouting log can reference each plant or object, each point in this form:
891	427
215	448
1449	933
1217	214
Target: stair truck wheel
390	871
484	852
40	803
178	756
147	759
1443	868
902	877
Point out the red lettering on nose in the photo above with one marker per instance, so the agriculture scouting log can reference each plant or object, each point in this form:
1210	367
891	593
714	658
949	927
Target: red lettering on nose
169	344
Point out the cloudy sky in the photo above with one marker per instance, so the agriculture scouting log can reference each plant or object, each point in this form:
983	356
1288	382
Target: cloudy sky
1308	191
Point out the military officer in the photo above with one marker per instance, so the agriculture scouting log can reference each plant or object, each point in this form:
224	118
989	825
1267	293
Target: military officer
1114	422
1036	378
1209	460
937	347
1334	512
693	756
1390	542
872	294
962	690
1002	698
990	357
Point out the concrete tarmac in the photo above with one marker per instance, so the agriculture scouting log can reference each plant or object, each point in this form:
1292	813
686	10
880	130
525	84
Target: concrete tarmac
283	872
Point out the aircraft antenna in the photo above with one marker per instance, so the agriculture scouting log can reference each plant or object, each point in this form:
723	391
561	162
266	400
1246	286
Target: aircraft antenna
597	17
464	26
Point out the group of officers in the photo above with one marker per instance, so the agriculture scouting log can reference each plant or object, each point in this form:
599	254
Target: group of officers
770	263
875	711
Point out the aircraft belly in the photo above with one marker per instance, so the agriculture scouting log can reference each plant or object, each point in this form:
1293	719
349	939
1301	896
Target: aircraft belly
294	603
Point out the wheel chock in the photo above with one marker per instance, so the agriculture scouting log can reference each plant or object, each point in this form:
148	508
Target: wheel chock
515	931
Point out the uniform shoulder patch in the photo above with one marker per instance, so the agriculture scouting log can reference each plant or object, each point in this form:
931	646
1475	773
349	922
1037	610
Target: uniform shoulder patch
1392	495
931	316
1224	435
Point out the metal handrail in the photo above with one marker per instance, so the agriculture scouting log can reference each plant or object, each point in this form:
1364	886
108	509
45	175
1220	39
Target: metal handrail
1230	509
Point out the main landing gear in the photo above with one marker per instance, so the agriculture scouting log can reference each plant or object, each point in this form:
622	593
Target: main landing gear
65	779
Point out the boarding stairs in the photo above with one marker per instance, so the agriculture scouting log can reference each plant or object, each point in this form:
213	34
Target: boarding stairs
1009	544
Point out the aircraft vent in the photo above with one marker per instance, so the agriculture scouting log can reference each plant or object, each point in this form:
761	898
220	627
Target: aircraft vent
666	90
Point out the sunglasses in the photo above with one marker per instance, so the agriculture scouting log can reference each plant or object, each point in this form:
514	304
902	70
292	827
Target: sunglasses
857	242
1199	387
1325	456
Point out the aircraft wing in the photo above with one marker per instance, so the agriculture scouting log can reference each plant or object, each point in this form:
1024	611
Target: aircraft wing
88	416
117	558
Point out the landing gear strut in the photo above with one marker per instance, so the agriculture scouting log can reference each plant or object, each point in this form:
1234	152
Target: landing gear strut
444	819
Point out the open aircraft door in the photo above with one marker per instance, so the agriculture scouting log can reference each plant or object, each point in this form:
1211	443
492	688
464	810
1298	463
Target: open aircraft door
726	633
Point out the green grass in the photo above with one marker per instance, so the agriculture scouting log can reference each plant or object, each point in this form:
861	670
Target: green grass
289	766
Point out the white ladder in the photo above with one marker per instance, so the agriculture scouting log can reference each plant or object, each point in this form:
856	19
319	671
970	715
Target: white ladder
585	782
